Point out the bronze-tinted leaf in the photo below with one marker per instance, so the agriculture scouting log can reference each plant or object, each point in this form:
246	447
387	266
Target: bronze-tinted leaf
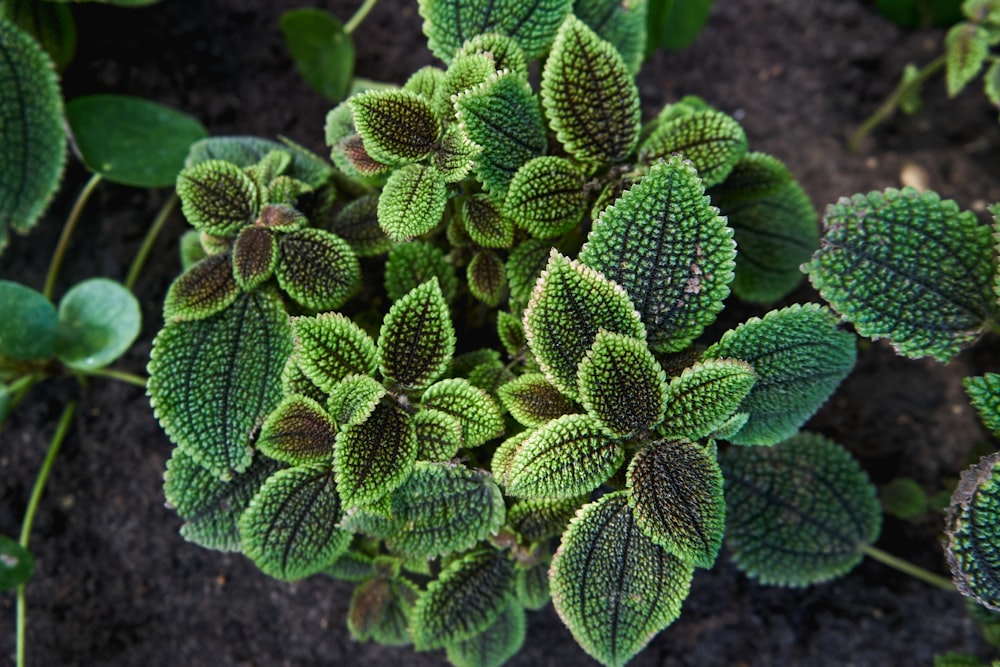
317	269
255	254
201	291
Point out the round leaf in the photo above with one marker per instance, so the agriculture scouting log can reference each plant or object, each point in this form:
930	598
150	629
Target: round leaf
30	323
412	202
16	564
317	269
98	320
417	338
322	51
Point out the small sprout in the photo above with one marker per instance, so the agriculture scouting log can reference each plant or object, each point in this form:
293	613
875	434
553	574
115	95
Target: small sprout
16	564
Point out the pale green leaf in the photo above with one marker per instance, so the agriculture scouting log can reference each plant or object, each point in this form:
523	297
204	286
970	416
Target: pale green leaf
317	269
417	338
218	197
329	347
299	431
971	530
967	47
495	645
439	435
354	398
99	319
703	398
203	290
991	83
375	456
487	278
396	125
547	197
984	392
29	329
479	415
456	154
711	140
412	202
533	401
412	264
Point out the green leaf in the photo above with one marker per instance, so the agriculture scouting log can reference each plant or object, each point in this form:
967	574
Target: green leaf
130	140
417	338
396	125
612	587
711	140
589	95
425	82
50	24
503	117
621	23
486	224
29	328
495	645
565	458
675	492
99	319
487	278
621	385
295	381
317	269
412	264
456	155
526	262
376	456
799	357
670	250
503	51
532	586
210	507
17	564
798	513
190	249
503	456
412	202
203	290
469	595
441	508
381	610
465	72
322	51
33	141
903	498
217	197
911	102
991	83
909	267
351	566
971	525
534	401
703	398
299	431
674	25
439	435
967	47
255	254
984	392
449	23
510	330
547	196
213	381
537	519
329	347
248	151
479	415
357	223
291	528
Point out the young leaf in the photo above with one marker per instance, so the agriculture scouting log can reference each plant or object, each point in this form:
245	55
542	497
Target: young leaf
675	492
967	47
532	586
357	223
510	330
984	391
612	587
425	82
412	264
317	269
248	151
479	415
503	51
799	357
486	224
935	260
213	381
351	566
381	610
376	456
291	528
211	508
354	398
255	254
533	400
16	564
621	23
971	528
798	513
412	202
29	329
442	508
33	141
547	197
99	320
329	347
217	197
567	457
468	596
298	432
487	278
417	338
456	155
439	435
704	397
711	140
621	385
537	519
322	51
495	645
526	262
396	125
465	72
203	290
571	302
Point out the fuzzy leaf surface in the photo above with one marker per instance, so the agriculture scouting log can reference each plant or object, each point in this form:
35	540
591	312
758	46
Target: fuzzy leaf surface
971	529
546	197
704	397
537	519
670	250
533	401
99	319
417	338
439	435
621	23
984	392
495	645
611	585
376	456
248	151
412	202
203	290
317	269
255	254
503	51
486	224
353	399
396	125
487	278
456	155
217	197
329	347
711	140
909	267
299	431
412	264
799	512
478	413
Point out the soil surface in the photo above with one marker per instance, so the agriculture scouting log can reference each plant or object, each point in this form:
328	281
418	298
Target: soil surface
117	585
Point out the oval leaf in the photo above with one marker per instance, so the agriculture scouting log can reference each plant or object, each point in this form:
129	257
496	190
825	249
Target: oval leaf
495	645
357	223
984	392
98	320
255	254
547	197
412	202
217	197
317	269
537	519
381	610
533	400
29	329
439	435
971	547
16	564
967	47
298	432
322	51
417	338
412	264
711	140
354	398
376	456
329	347
479	415
396	125
487	278
486	224
203	290
705	397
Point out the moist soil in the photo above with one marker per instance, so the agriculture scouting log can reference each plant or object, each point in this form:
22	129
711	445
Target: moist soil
116	584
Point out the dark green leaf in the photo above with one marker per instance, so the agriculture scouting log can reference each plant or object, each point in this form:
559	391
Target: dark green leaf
317	269
16	564
412	202
396	125
357	223
29	328
533	400
255	254
984	391
203	290
621	23
412	264
439	435
526	262
903	498
351	566
486	224
547	197
537	519
532	587
510	330
417	338
329	347
495	645
218	197
967	47
322	51
50	24
487	278
376	456
705	397
98	320
674	25
299	431
381	610
479	415
972	546
711	140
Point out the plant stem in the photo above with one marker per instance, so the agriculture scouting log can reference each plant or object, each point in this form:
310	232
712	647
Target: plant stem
147	243
888	107
122	376
71	221
29	517
359	16
909	568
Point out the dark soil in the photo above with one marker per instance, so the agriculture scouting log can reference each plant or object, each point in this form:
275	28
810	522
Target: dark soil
117	585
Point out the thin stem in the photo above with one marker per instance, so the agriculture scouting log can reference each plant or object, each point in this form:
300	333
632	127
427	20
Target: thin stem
359	16
122	376
147	243
888	107
29	517
909	568
67	232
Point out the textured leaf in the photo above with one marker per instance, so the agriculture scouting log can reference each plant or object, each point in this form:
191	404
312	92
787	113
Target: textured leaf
495	645
675	492
711	140
670	250
503	51
468	596
299	431
323	52
526	262
357	223
203	290
503	117
32	138
439	435
51	25
533	401
17	564
412	264
465	72
354	398
213	381
703	398
217	197
486	224
532	586
417	338
612	587
351	566
510	330
329	347
99	319
972	546
984	391
211	508
248	151
798	513
908	267
991	83
590	98
381	610
547	197
29	329
449	23
621	23
317	269
290	530
456	155
376	456
425	82
537	519
571	302
800	358
487	278
621	385
479	415
565	458
412	202
442	508
396	125
255	254
503	456
967	47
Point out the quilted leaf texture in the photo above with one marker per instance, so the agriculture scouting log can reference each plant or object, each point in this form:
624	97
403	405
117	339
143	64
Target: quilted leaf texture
417	338
971	530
